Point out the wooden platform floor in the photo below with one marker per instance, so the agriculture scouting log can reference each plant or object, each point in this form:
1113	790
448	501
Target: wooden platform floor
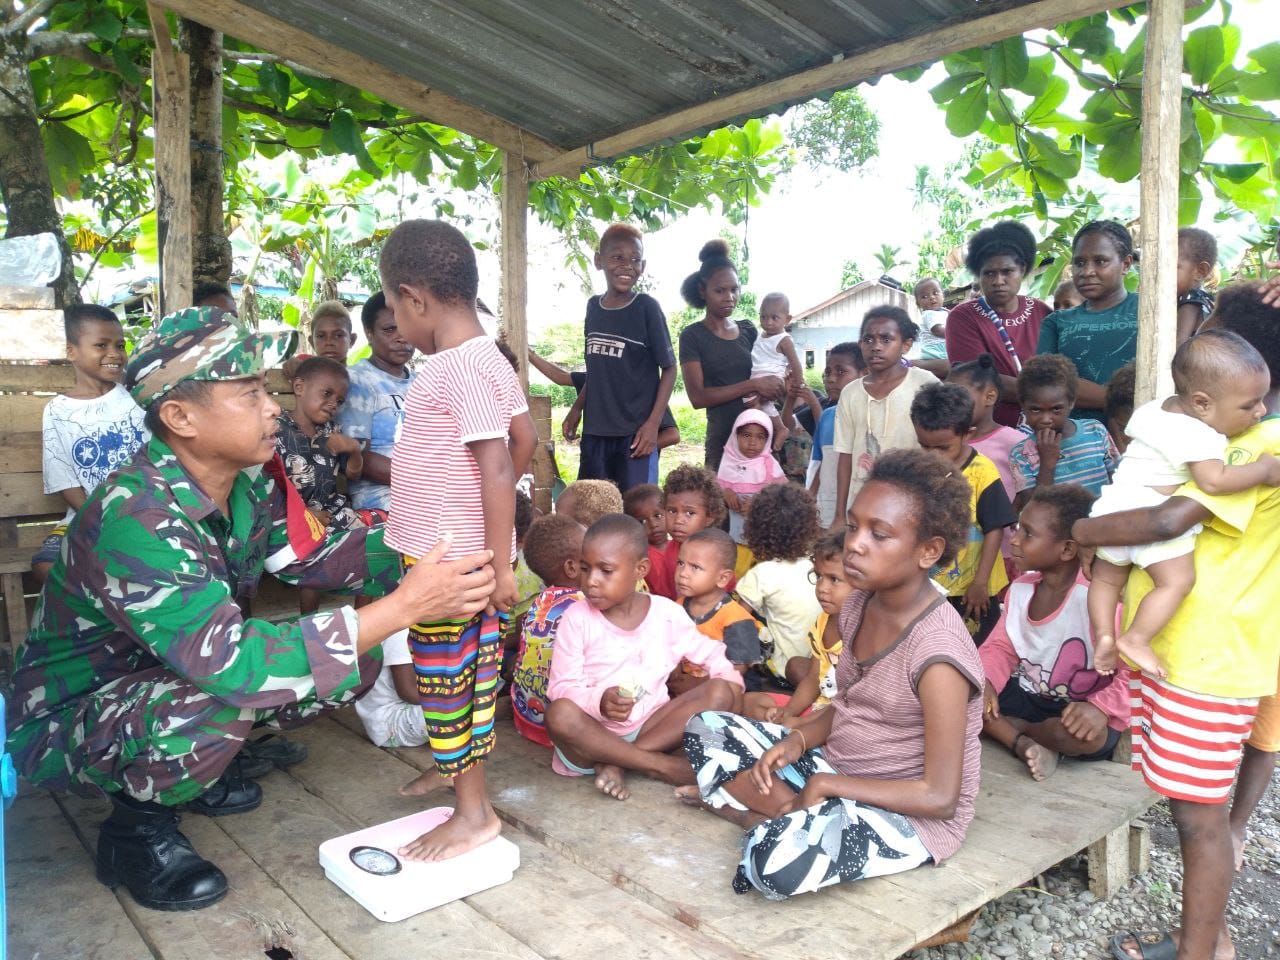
647	878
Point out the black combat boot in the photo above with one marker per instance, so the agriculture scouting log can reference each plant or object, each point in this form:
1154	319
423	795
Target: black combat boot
232	792
140	846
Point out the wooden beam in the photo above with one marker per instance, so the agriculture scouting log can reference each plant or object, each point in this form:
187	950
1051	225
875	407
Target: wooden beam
942	39
515	259
1158	199
236	19
171	107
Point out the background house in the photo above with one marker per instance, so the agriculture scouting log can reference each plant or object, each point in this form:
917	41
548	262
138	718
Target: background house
818	329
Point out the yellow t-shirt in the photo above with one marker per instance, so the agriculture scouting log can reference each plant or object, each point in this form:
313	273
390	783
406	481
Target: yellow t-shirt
1223	641
989	509
827	657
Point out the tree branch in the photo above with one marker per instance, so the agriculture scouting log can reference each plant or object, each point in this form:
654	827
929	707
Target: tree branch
50	43
288	120
30	15
254	56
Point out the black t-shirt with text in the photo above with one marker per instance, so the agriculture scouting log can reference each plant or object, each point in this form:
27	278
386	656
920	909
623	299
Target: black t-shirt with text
627	348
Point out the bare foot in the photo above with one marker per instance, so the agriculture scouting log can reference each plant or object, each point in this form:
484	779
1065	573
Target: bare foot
746	819
1140	653
1040	760
455	836
1237	849
612	781
423	784
1104	654
690	795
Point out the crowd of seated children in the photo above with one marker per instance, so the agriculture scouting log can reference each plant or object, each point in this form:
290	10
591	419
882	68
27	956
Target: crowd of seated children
552	549
1220	383
1058	449
885	779
610	710
781	528
1044	696
693	501
704	570
747	467
976	576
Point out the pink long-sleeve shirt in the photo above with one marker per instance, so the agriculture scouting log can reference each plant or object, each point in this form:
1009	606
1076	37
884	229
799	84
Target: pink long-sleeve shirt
592	655
1053	657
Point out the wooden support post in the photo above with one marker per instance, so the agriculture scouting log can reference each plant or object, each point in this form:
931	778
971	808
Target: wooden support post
515	259
1158	211
1109	862
171	95
1139	847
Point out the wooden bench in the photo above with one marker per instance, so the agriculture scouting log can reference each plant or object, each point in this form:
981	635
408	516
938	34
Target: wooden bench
648	877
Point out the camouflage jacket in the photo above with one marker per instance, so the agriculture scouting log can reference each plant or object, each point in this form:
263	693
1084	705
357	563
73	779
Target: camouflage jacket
149	575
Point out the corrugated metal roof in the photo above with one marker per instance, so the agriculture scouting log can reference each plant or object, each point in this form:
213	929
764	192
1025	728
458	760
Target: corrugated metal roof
575	71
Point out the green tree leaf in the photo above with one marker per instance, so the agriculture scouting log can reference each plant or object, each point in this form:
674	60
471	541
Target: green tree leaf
951	87
968	110
1204	54
1121	155
346	135
1006	62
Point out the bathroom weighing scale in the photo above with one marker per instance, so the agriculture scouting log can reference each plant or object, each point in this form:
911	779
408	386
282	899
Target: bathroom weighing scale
367	868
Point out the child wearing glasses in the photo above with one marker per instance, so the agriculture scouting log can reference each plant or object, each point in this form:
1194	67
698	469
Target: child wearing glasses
631	367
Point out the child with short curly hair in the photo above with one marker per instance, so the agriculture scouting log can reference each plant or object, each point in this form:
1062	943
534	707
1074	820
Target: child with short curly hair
1059	449
885	779
781	528
589	500
693	501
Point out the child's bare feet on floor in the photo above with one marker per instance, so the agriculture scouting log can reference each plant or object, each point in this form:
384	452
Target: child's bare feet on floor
423	784
457	835
1040	760
1139	652
612	781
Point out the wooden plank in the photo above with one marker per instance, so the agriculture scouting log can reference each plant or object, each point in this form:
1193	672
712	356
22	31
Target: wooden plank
593	917
255	916
83	919
171	112
16	620
943	37
22	495
32	335
23	413
291	41
1158	200
26	298
56	376
283	837
514	258
21	452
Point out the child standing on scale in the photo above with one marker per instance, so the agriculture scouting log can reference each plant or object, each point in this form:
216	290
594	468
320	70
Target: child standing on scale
630	367
693	501
552	550
1220	382
844	365
1044	696
1059	449
874	414
93	428
703	573
747	466
454	478
774	355
993	440
973	580
885	779
1197	256
818	687
780	531
610	711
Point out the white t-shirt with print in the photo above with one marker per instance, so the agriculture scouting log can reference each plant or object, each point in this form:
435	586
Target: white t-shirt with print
85	440
388	720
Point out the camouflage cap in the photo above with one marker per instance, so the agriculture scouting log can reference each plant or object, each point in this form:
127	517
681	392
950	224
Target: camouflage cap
201	343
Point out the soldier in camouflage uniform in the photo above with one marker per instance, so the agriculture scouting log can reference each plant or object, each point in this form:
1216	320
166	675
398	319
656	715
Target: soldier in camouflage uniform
140	677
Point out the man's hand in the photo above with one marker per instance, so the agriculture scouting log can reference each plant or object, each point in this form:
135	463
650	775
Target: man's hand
456	590
570	426
614	706
645	441
1083	720
976	600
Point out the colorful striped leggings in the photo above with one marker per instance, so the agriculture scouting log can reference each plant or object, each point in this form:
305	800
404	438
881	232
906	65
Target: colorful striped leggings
456	662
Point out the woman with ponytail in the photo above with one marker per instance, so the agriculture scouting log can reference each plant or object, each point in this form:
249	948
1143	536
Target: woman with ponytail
715	354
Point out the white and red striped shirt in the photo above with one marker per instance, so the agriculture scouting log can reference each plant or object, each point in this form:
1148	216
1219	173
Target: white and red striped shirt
461	395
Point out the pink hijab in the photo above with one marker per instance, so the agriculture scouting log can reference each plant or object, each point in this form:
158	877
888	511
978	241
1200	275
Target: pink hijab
748	475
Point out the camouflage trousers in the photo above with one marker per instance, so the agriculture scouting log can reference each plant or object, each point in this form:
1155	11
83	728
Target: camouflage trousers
155	736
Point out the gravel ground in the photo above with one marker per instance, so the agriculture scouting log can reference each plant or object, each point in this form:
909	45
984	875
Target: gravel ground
1062	919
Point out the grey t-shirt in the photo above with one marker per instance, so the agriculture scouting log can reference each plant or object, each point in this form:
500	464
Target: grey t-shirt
724	362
